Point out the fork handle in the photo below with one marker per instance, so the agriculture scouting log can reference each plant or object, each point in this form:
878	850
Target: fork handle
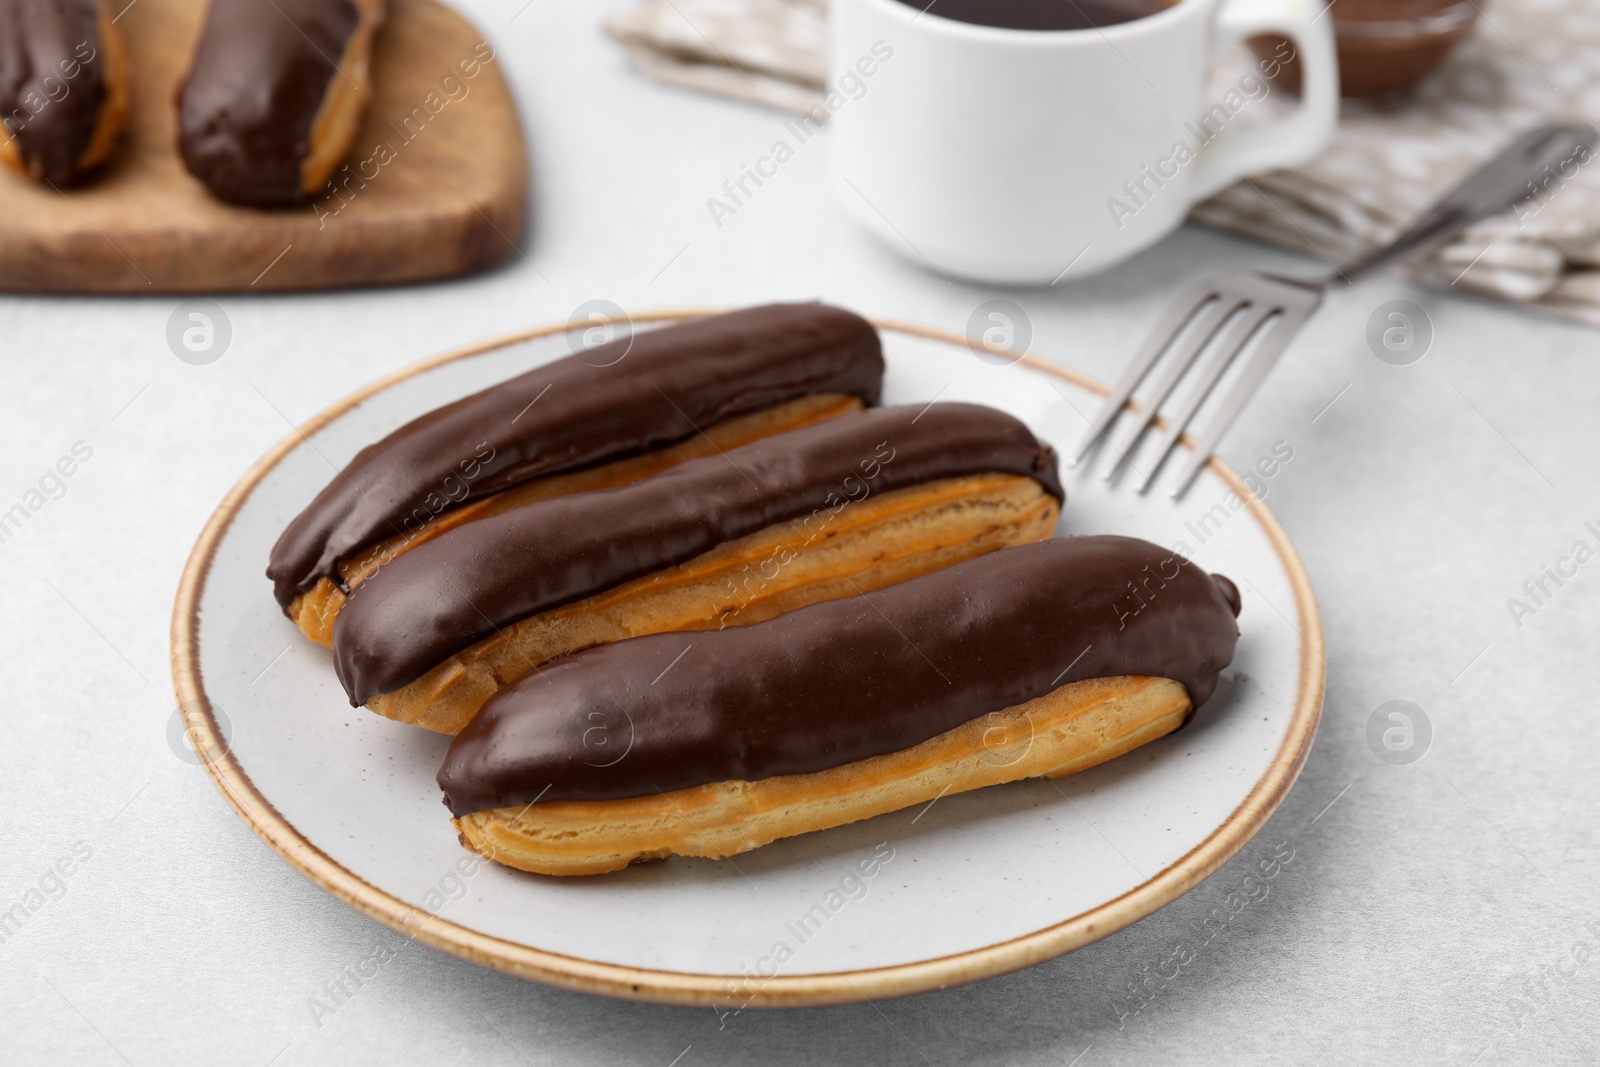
1537	159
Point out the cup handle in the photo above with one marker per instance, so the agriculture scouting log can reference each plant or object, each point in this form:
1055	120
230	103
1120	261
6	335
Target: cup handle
1302	135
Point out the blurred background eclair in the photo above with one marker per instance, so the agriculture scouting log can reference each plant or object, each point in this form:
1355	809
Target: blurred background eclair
833	510
275	95
612	414
1032	661
63	88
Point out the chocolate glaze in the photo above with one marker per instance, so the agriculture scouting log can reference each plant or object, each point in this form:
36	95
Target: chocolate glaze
259	75
456	590
612	401
846	679
52	83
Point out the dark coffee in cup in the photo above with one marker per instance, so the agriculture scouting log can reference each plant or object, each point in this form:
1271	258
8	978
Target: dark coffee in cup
1042	14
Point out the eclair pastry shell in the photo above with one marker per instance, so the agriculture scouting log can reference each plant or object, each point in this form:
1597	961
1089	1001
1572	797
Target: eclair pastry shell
1069	729
315	610
114	112
865	545
339	115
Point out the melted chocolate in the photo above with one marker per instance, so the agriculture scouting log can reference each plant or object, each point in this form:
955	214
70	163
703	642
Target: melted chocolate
260	73
1042	14
452	592
52	83
846	679
615	400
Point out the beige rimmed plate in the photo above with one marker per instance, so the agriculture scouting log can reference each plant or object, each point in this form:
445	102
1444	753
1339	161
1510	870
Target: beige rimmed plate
971	886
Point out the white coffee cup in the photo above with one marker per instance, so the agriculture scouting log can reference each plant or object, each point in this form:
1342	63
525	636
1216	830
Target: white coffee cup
1013	155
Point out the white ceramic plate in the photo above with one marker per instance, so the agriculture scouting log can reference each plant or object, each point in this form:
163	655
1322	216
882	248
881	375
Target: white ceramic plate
976	884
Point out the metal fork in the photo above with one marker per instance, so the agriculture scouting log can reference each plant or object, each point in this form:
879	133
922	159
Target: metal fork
1226	314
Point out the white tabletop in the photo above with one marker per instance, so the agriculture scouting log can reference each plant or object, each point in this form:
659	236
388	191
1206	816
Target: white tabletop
1432	913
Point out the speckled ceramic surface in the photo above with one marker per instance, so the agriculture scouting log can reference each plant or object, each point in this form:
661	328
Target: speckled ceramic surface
972	885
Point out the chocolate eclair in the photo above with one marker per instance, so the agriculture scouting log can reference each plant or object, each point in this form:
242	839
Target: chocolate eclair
848	505
1039	660
615	413
275	95
63	87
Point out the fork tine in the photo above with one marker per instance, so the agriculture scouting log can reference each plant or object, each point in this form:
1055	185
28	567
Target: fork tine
1176	318
1234	340
1209	321
1293	315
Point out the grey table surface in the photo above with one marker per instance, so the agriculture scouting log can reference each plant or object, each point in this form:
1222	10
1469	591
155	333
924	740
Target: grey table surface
1440	913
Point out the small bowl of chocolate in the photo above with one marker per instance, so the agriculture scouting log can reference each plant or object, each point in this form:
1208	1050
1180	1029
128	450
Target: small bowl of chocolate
1385	45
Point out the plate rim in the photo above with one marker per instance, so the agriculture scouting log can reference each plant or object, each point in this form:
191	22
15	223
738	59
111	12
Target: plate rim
698	989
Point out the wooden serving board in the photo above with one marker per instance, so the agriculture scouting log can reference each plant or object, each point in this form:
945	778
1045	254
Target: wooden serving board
436	183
